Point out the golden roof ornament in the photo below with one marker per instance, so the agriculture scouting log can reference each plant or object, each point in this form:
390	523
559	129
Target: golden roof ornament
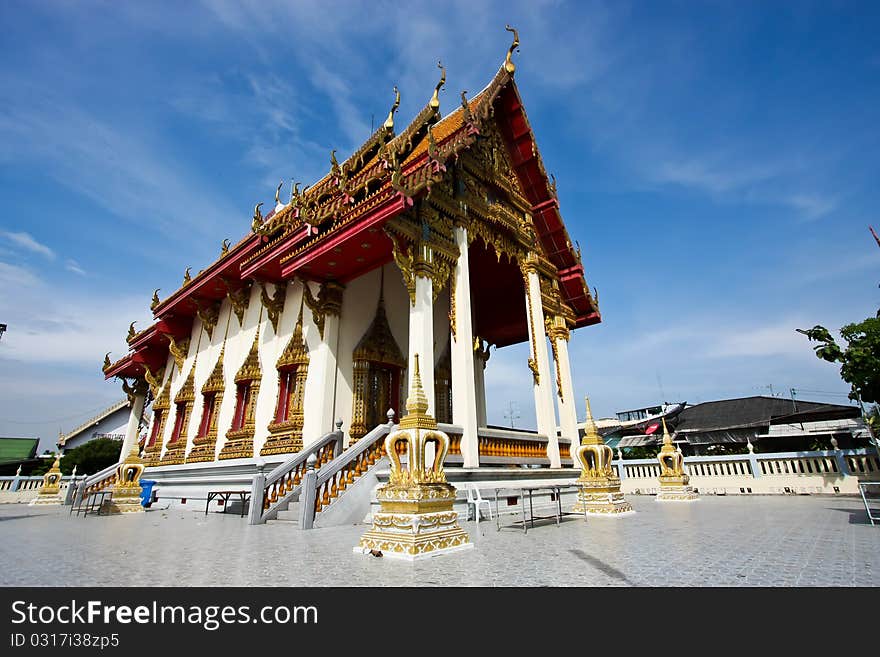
224	248
417	416
435	99
107	362
334	164
131	331
258	218
278	193
509	66
186	277
389	122
155	301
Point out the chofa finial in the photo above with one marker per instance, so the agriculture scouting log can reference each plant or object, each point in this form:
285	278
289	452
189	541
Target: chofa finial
509	66
435	99
131	331
278	193
258	218
389	122
107	362
225	247
155	300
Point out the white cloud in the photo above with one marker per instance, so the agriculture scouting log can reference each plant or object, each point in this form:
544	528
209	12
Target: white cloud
72	265
26	241
13	276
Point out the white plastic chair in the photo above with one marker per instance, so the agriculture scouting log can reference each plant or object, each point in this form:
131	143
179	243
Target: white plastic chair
474	498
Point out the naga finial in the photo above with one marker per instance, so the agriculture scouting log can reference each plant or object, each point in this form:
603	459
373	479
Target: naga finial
435	99
225	247
466	108
294	190
389	122
258	218
509	66
107	362
278	193
155	300
186	277
334	165
131	331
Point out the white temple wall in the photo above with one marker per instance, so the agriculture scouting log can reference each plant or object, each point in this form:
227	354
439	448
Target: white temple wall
359	302
314	425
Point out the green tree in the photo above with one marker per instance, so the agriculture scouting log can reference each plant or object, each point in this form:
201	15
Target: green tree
859	359
91	457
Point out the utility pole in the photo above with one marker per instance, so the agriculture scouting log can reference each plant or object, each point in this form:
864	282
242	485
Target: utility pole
512	412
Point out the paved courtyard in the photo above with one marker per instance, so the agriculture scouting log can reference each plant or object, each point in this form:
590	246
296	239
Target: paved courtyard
718	541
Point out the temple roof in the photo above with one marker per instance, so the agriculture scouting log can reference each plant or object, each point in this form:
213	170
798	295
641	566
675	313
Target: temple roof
317	235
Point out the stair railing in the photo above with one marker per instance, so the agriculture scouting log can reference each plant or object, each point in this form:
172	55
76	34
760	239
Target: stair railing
270	493
342	472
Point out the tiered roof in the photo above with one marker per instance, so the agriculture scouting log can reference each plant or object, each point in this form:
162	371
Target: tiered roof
381	179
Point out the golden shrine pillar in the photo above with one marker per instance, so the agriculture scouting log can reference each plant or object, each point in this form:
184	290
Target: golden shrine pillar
416	519
126	492
599	488
673	481
50	491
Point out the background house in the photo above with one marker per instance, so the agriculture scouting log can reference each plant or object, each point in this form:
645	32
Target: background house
109	423
771	424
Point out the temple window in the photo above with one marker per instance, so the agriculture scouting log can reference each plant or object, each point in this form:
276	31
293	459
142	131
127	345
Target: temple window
179	422
154	432
242	398
285	430
207	414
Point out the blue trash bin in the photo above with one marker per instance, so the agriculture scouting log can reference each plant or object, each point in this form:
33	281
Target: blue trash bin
147	492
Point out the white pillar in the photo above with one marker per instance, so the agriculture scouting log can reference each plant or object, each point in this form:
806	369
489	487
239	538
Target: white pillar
319	418
543	390
421	338
134	418
464	402
480	385
567	410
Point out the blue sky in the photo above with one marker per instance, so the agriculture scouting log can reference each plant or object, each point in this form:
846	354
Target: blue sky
717	163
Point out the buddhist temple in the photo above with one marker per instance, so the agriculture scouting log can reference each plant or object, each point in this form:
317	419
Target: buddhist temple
441	237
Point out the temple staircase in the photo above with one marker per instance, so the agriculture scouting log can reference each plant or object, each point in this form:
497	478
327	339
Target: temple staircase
307	489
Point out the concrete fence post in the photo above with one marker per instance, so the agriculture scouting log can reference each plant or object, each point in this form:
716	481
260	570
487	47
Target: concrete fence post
754	466
258	485
16	482
307	495
621	471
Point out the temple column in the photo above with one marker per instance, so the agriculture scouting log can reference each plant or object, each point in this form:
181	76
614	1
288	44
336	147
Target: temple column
137	395
421	325
327	317
559	334
481	357
539	363
464	402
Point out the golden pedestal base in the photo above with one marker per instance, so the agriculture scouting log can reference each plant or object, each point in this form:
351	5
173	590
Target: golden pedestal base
125	499
416	521
47	497
676	489
601	496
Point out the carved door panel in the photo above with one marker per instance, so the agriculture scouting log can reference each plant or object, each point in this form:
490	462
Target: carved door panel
382	384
